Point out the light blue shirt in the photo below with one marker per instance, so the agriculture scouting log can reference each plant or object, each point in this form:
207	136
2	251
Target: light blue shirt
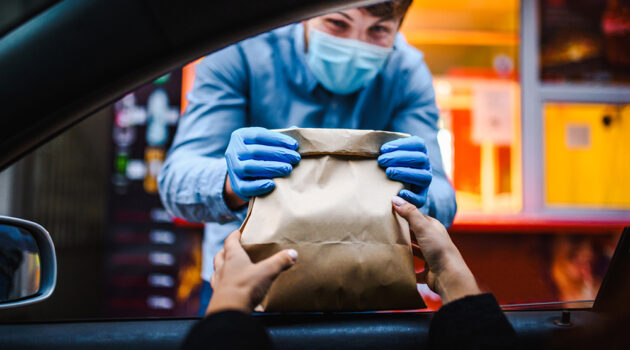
264	81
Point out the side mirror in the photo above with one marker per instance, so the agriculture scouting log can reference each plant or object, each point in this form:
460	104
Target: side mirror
28	266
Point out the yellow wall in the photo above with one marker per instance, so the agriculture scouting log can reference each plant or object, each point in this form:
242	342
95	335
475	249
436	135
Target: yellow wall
597	175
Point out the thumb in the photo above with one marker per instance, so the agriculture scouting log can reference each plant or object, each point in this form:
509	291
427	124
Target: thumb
271	267
408	211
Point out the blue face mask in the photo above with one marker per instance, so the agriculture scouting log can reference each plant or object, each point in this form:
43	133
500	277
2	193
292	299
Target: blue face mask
343	65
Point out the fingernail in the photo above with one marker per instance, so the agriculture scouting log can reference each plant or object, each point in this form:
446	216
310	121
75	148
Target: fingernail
293	254
398	201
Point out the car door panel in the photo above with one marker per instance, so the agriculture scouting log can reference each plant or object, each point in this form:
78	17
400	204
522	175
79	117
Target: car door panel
398	331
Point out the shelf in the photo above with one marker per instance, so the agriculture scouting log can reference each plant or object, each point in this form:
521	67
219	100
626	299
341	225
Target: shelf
534	224
460	37
584	93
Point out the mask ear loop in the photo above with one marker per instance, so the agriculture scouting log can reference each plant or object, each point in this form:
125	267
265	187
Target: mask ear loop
306	35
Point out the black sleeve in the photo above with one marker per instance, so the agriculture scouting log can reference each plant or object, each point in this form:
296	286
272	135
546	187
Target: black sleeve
473	322
227	330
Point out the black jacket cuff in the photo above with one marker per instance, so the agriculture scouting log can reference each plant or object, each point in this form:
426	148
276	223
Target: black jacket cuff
227	330
472	322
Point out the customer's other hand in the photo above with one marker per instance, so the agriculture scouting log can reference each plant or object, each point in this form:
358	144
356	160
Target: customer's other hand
239	284
445	271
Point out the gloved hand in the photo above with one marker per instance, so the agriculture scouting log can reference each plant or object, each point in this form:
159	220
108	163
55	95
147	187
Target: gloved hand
254	156
406	160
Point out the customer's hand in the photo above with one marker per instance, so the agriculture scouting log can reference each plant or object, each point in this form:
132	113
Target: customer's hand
239	284
254	156
406	160
445	271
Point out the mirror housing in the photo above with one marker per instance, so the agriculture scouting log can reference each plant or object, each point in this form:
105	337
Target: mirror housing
47	261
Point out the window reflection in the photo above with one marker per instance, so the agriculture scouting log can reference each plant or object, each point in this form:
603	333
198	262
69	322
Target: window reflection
585	41
19	264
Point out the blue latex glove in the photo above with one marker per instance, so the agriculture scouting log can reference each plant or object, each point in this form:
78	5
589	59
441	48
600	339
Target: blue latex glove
254	156
406	160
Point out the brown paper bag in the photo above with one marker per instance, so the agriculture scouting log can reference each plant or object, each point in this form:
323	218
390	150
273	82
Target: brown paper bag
335	210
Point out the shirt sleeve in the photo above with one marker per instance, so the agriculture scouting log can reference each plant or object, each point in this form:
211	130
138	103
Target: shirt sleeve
472	322
227	330
418	115
192	178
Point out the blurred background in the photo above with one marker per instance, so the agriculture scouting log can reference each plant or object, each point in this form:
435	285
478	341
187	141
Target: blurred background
535	136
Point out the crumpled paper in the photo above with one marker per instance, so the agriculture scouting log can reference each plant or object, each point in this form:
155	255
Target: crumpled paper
335	210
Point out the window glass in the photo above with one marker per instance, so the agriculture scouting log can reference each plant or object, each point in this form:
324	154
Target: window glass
585	41
120	254
585	166
152	263
472	51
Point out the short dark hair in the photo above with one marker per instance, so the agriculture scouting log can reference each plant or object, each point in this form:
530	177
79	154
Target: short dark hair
389	9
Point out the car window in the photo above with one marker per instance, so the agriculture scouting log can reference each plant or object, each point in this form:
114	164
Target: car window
540	191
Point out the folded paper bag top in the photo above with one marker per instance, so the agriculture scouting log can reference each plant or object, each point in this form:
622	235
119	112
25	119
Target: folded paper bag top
335	210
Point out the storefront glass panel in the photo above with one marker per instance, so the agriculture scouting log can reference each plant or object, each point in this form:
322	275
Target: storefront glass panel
585	41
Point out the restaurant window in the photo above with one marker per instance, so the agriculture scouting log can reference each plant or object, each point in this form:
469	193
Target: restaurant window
472	51
585	41
587	163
